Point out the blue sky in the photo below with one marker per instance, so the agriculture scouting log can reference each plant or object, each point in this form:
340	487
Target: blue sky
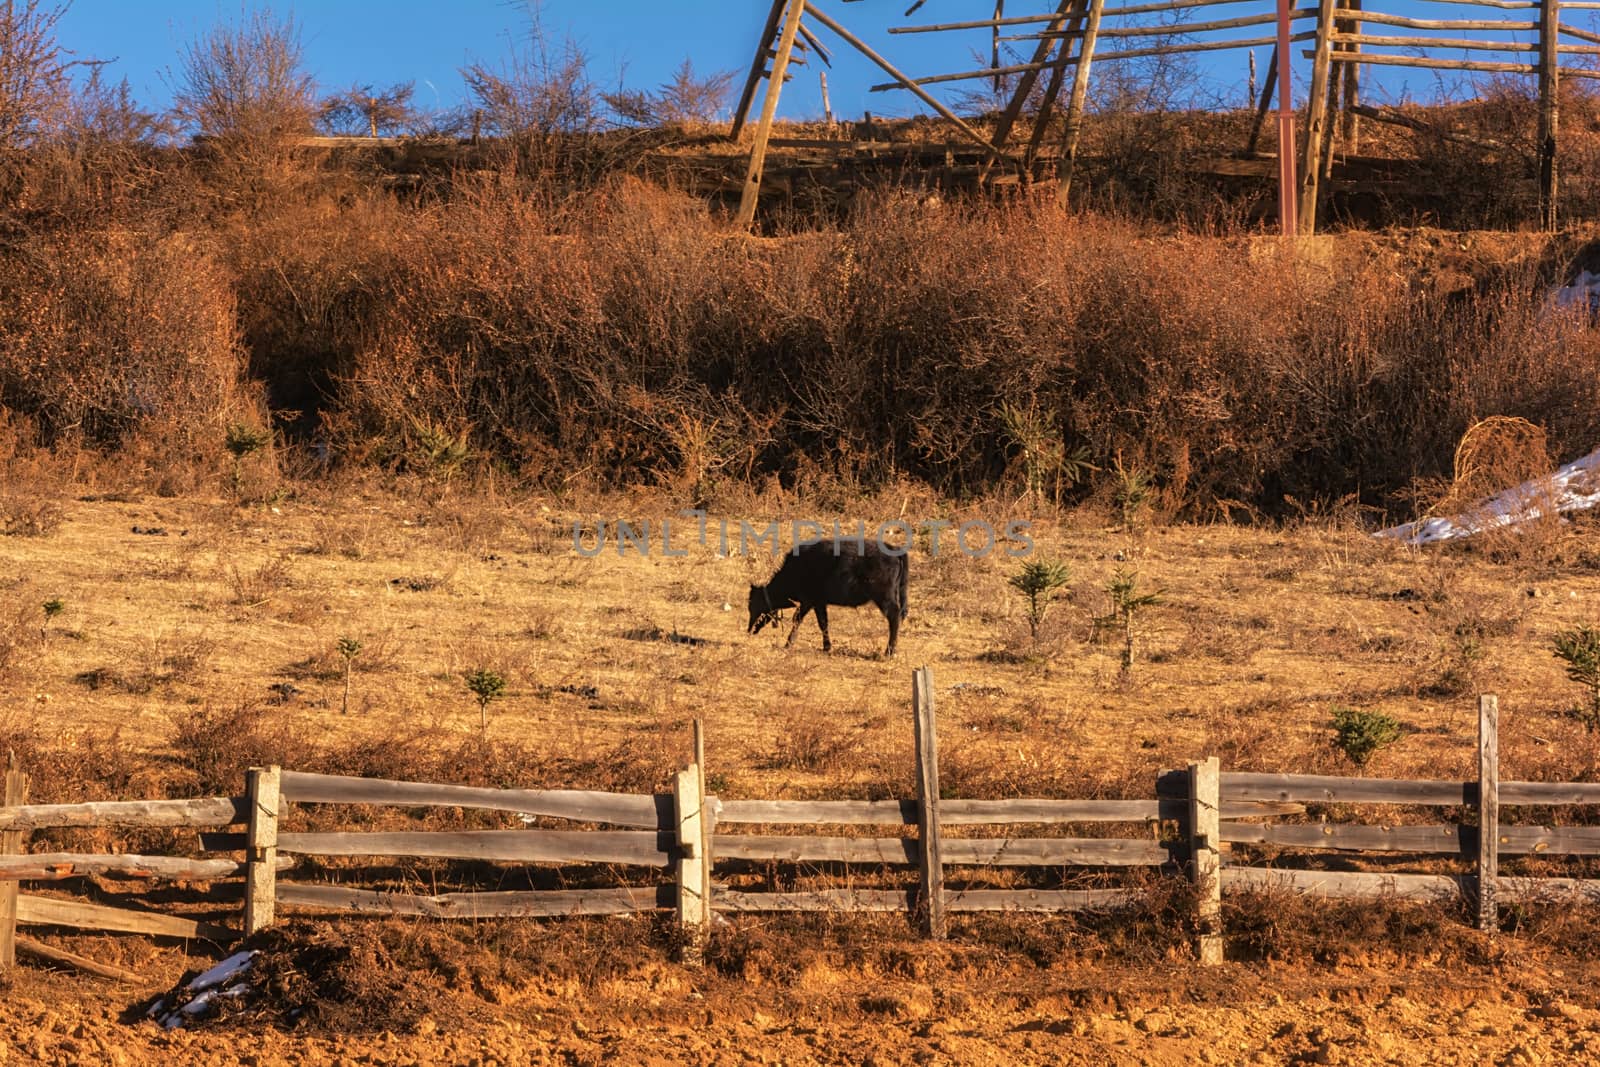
636	42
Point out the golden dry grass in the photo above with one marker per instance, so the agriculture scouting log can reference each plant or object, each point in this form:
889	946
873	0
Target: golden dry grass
1260	634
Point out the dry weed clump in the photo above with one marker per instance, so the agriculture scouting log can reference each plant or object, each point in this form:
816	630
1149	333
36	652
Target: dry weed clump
1289	928
107	337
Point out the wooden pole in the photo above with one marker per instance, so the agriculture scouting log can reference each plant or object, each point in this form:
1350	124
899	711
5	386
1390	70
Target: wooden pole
1288	226
769	110
1025	84
1352	84
1316	120
1052	89
1080	94
1205	845
932	851
1488	812
1265	103
694	852
11	844
263	790
1549	109
758	67
994	46
827	108
1331	140
902	80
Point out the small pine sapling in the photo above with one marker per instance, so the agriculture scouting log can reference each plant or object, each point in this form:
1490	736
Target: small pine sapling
1579	648
243	439
1360	734
1126	602
349	648
52	607
485	685
1039	580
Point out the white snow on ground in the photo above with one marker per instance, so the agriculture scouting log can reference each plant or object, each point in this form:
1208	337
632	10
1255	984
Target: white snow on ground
1583	292
206	987
1574	487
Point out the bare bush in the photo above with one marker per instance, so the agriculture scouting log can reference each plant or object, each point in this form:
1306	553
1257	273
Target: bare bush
687	99
104	336
245	83
362	110
33	71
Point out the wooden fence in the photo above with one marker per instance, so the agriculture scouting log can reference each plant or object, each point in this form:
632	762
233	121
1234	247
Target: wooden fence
677	841
1070	36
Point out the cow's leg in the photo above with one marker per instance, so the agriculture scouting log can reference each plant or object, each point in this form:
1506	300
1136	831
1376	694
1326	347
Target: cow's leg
893	615
799	615
822	621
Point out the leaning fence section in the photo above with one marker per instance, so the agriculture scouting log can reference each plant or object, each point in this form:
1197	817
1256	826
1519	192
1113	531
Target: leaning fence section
689	854
1066	41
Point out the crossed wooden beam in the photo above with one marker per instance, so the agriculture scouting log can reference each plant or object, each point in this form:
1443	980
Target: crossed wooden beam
1070	35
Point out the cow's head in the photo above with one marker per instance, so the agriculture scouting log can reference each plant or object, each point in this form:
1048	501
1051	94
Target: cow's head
764	610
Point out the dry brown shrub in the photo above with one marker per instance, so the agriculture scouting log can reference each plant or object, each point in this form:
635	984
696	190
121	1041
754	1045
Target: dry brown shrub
252	586
216	744
105	336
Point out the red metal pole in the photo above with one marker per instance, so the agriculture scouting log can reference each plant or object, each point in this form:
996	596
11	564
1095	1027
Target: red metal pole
1288	188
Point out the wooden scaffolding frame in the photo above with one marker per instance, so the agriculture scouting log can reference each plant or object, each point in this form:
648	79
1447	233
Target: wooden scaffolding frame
1071	35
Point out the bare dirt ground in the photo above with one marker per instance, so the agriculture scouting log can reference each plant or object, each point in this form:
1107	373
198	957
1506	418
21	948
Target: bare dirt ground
1259	634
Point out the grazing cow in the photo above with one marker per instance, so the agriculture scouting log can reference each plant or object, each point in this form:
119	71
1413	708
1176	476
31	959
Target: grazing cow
846	573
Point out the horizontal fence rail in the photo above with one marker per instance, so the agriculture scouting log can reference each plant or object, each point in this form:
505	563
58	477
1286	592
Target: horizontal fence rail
1218	829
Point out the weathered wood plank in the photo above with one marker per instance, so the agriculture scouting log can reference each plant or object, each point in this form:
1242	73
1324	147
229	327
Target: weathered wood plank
50	954
1549	840
207	811
506	846
1488	871
1054	851
1039	899
1319	788
262	789
820	812
1380	60
966	851
617	809
12	843
1345	884
825	900
49	911
782	55
930	854
694	864
514	904
1205	851
1549	890
894	851
1439	838
54	866
1552	793
951	812
982	812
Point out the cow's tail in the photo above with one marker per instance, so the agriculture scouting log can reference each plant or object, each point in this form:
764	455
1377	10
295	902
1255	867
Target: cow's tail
905	578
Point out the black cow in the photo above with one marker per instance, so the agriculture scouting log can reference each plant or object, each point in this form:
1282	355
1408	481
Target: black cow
845	573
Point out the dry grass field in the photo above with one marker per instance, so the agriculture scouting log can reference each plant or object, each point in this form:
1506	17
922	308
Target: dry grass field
195	637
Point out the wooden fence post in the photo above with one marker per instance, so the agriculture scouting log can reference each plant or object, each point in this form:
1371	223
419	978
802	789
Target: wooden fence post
262	790
1316	120
11	845
1488	812
932	851
1549	109
694	853
1205	844
769	111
